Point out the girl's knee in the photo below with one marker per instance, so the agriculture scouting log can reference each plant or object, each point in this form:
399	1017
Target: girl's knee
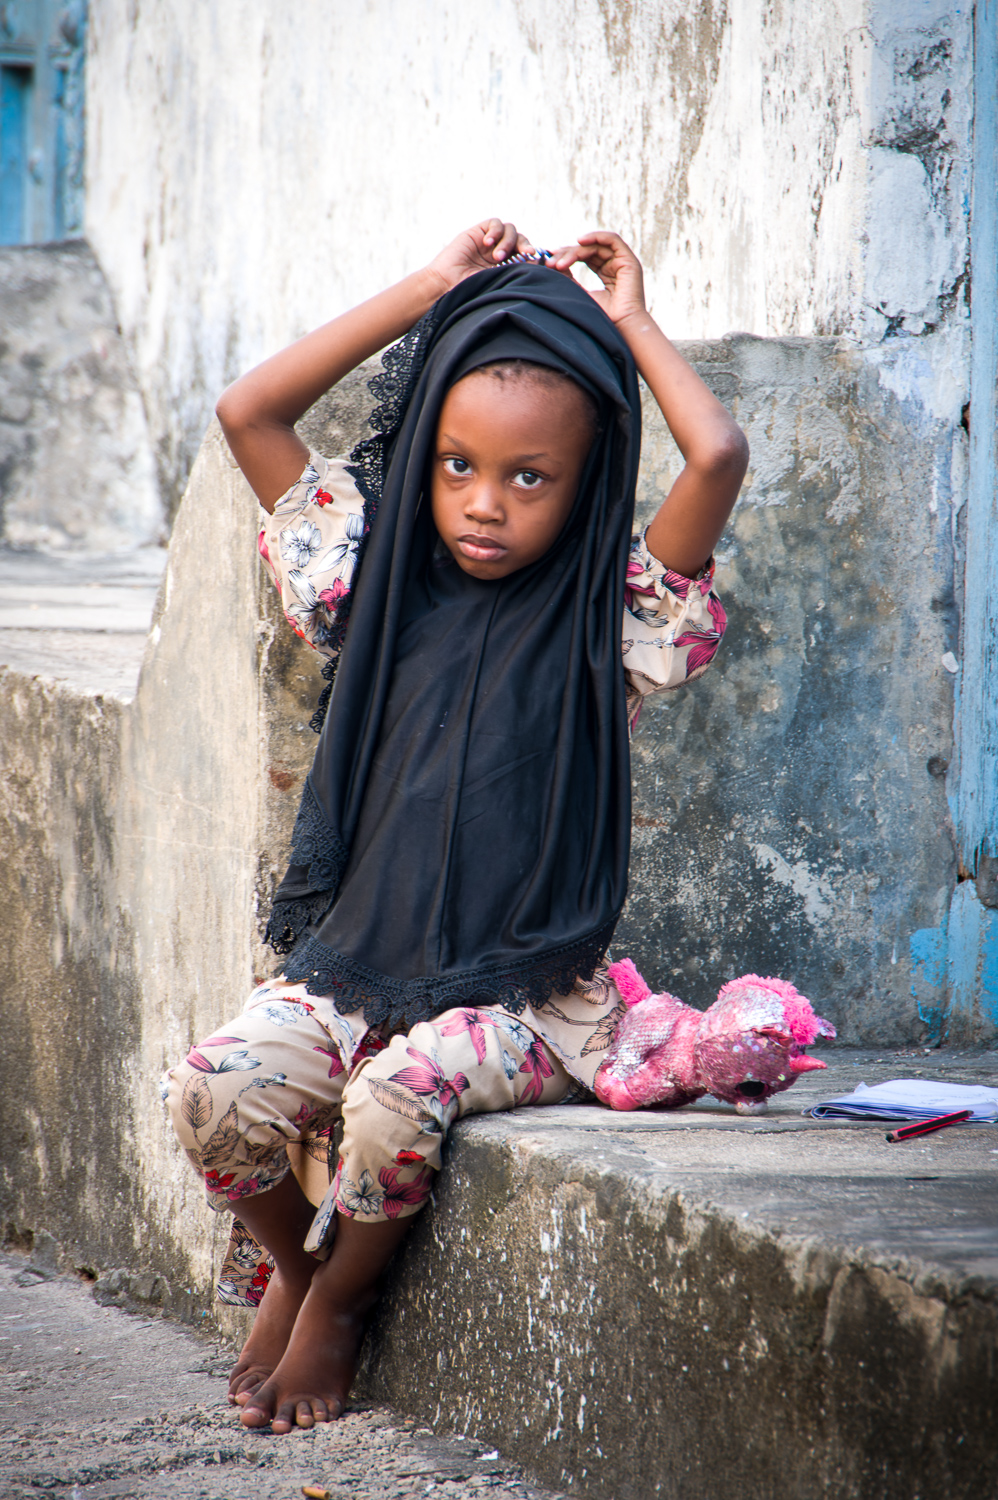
175	1089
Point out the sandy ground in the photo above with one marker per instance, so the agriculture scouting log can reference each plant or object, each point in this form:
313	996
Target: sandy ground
102	1405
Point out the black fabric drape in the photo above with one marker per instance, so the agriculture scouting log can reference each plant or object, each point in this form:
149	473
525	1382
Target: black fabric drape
465	828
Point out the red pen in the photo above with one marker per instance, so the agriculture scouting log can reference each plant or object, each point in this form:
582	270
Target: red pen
923	1127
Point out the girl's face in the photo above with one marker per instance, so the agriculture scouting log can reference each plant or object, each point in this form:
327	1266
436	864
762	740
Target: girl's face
509	456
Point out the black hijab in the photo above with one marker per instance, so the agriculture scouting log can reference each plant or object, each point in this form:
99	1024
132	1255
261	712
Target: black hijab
464	831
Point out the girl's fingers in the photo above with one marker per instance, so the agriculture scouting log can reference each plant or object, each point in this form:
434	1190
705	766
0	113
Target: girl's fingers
609	238
567	257
587	255
492	230
507	242
608	244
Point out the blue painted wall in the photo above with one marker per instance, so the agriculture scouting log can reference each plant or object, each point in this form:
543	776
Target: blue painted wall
972	968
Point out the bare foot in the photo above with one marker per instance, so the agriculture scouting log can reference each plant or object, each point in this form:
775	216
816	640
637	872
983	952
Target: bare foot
262	1351
313	1379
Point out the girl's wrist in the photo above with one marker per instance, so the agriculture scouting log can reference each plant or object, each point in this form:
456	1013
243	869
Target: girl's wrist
636	323
433	284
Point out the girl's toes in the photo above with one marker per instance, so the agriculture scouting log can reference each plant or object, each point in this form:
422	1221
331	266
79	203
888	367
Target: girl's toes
243	1386
296	1412
259	1409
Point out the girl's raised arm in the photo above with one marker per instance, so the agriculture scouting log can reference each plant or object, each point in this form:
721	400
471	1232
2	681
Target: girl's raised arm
259	410
690	521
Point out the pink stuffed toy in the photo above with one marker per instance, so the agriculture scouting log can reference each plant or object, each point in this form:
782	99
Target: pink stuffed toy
747	1046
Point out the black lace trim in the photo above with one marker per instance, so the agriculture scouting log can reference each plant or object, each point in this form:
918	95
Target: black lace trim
392	387
314	845
289	919
401	1003
317	720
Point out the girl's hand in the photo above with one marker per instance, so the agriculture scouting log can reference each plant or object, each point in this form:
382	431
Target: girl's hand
623	292
483	245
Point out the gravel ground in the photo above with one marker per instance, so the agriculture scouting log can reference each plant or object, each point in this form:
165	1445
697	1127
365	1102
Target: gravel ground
103	1405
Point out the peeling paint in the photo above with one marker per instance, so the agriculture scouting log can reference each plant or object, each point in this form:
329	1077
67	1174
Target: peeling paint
928	950
972	965
932	372
816	893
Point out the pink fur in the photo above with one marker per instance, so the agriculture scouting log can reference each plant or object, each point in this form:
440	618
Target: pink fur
633	989
744	1048
804	1026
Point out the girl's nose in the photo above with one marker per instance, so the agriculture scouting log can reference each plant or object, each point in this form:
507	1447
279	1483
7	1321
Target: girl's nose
484	503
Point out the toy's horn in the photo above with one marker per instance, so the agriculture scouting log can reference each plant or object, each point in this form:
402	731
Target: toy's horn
625	976
805	1064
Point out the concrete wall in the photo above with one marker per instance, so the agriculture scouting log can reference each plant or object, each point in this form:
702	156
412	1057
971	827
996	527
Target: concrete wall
790	814
76	465
140	832
795	169
799	170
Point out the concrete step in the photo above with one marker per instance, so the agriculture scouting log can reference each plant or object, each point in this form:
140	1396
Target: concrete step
77	618
695	1304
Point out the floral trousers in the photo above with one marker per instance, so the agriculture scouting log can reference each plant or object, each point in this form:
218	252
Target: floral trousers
272	1090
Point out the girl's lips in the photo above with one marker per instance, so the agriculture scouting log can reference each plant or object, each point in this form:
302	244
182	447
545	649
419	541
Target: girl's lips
481	548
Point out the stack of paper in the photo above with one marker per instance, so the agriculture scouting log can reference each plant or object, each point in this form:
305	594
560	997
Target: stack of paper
910	1099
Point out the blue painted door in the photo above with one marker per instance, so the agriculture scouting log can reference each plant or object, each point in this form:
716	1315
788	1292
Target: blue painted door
15	89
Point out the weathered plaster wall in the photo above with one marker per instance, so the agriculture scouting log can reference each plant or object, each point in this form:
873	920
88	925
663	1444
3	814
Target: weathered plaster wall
139	834
790	814
76	466
252	170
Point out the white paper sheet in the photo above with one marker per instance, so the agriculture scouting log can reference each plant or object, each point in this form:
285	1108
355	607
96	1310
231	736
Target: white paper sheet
911	1099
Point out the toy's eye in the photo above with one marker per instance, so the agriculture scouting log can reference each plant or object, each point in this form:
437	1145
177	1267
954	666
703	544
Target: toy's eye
751	1088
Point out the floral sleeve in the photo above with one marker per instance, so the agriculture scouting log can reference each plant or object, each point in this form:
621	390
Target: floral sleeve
309	546
672	626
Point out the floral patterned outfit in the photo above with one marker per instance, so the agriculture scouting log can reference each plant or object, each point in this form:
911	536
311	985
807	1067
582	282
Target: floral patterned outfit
264	1095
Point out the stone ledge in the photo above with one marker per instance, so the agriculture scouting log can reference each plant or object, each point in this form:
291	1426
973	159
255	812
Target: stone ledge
691	1305
79	619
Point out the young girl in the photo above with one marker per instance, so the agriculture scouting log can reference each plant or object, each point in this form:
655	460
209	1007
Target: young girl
460	858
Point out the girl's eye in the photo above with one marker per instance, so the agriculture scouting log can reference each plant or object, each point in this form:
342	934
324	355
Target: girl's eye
528	479
457	466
